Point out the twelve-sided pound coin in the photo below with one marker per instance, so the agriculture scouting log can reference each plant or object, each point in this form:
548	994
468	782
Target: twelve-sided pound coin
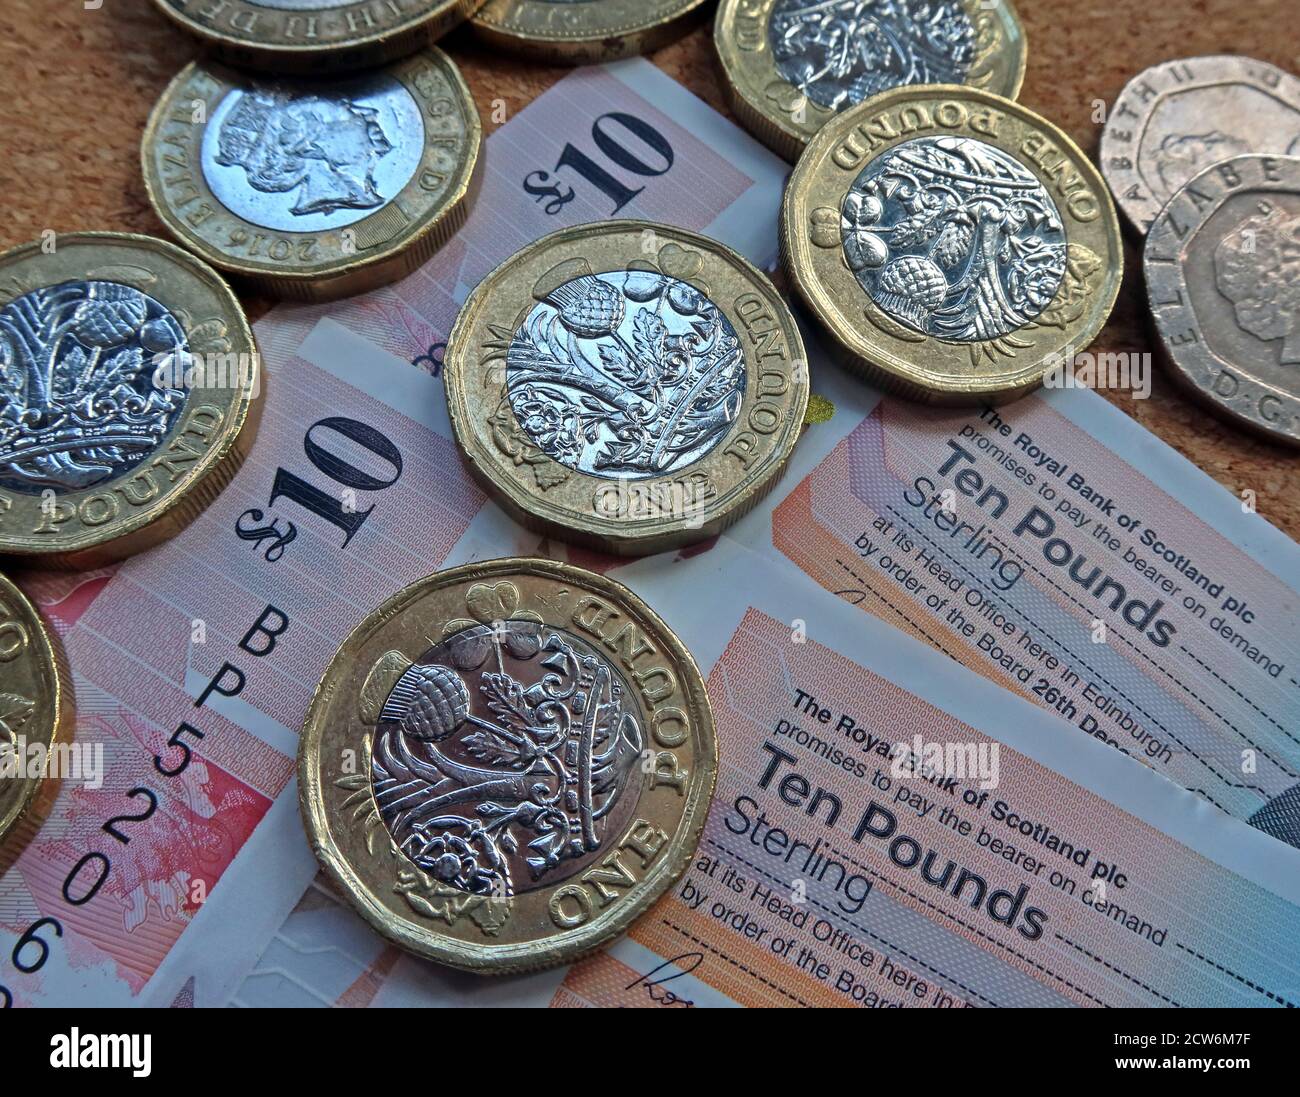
35	702
629	386
957	246
580	32
315	189
283	36
507	763
129	390
789	66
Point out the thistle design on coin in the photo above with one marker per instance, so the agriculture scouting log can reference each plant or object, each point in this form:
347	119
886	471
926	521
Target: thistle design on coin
956	245
626	385
128	379
78	397
955	238
840	52
514	793
626	375
790	66
501	758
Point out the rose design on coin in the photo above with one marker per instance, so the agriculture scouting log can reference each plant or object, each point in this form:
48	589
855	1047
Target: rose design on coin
840	52
85	392
1257	268
625	375
504	756
954	238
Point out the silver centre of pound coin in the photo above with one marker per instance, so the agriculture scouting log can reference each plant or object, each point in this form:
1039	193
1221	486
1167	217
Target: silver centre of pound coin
505	756
954	238
840	52
298	158
88	374
626	375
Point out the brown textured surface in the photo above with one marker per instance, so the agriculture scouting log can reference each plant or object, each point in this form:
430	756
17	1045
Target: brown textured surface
76	87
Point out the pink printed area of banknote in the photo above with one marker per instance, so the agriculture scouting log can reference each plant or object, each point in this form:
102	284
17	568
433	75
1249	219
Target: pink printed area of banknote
194	662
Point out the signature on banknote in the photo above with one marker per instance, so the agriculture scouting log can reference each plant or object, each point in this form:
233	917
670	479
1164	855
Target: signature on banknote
655	980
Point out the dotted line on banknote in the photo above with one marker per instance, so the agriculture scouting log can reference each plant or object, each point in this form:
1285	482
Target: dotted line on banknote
867	586
1239	978
1182	686
748	971
966	925
1064	647
861	929
1241	695
1118	971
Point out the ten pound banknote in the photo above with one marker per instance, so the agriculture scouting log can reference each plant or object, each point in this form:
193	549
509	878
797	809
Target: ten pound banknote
166	875
1055	871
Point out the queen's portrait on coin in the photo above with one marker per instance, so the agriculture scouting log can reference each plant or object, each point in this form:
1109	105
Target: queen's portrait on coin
1257	268
325	149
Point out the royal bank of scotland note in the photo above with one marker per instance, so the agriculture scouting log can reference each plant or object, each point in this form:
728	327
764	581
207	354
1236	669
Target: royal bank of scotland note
891	831
165	877
1062	552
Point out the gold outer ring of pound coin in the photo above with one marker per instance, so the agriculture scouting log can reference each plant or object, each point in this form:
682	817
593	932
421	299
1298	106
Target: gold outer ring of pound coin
375	246
35	699
1178	117
139	437
412	764
785	119
316	37
966	359
1214	260
586	33
625	385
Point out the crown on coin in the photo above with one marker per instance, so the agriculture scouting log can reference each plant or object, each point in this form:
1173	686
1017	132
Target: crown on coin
247	123
78	401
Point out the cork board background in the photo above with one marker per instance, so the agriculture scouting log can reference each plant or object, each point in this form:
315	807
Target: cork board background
77	85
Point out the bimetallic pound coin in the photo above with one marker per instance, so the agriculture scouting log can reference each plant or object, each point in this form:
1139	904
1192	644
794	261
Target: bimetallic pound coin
302	36
507	763
35	703
956	245
315	189
129	385
1172	121
1222	265
789	66
628	386
580	32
